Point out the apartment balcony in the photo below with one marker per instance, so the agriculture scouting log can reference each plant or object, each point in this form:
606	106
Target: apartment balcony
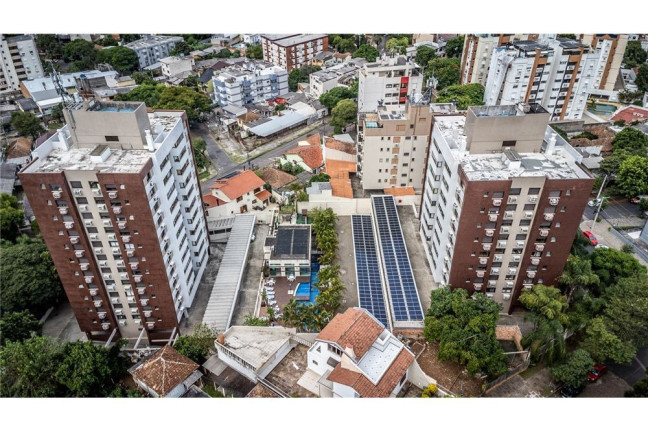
102	315
505	230
511	271
535	260
98	303
116	250
120	263
115	301
85	266
528	215
490	232
497	202
123	276
531	274
134	266
96	192
495	271
544	232
492	284
483	260
533	198
150	325
548	216
493	217
68	225
117	209
121	225
141	290
112	194
74	239
126	238
138	278
498	258
94	292
501	244
148	313
63	210
79	253
480	273
105	326
130	252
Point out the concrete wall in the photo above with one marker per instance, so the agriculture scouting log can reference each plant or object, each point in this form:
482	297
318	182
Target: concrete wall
264	370
416	376
341	208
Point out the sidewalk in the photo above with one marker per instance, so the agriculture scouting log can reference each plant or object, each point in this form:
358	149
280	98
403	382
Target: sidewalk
604	236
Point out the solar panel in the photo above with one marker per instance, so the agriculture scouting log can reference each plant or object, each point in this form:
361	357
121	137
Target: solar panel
370	290
403	296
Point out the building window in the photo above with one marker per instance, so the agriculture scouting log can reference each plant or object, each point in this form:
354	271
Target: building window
112	138
534	191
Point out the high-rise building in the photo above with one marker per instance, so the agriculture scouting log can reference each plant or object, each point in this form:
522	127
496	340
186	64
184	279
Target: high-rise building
388	81
291	51
612	48
117	199
392	146
151	49
503	199
558	74
477	52
18	61
249	83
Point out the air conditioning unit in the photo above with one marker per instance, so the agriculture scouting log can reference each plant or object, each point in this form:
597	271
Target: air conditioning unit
489	295
94	236
122	322
138	321
524	230
78	191
119	311
506	296
83	207
533	198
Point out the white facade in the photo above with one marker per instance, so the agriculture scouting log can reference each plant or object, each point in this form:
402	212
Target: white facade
249	83
19	61
172	66
340	75
150	50
252	39
390	80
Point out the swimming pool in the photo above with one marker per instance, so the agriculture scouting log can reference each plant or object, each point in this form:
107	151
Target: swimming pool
303	289
309	288
603	109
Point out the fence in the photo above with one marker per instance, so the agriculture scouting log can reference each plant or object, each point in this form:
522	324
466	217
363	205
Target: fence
509	374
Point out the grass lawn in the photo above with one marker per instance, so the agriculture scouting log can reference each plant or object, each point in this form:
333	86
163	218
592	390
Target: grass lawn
287	209
204	175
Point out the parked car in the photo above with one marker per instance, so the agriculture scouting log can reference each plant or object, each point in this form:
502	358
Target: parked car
591	237
594	202
601	246
596	373
569	392
637	199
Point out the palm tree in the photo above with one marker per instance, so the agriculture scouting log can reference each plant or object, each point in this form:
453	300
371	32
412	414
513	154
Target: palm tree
291	314
578	274
547	302
547	341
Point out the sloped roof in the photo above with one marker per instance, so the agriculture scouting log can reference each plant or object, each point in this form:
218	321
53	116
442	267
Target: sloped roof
239	185
339	173
210	201
164	370
630	114
314	139
277	178
339	145
278	124
354	328
19	149
399	191
263	195
310	154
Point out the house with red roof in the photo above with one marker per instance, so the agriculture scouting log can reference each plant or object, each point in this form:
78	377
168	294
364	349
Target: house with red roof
308	154
356	356
631	114
239	194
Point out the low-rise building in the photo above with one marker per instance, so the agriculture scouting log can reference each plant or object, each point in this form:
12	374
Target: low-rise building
290	251
307	154
291	51
340	75
249	82
174	66
239	194
151	49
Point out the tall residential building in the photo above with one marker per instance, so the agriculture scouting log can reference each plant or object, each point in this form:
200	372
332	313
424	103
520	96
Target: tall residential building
117	199
558	74
291	51
18	61
503	198
477	53
248	83
388	81
612	48
153	48
393	145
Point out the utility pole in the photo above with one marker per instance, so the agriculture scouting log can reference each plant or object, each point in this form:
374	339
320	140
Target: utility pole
598	209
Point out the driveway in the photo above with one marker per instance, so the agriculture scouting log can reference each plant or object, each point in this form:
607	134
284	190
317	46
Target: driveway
62	325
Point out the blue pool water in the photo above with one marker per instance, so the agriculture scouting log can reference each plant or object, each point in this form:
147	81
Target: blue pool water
305	287
602	109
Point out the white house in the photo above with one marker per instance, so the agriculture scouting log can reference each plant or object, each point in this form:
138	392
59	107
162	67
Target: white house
174	65
239	194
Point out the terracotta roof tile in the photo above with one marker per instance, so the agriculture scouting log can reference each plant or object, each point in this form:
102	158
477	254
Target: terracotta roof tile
164	370
20	148
314	139
631	114
399	191
339	173
277	178
354	328
310	154
263	195
239	185
211	201
339	145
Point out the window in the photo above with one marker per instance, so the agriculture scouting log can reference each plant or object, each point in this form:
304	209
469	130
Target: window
563	209
534	191
508	143
335	350
515	191
553	239
112	138
76	184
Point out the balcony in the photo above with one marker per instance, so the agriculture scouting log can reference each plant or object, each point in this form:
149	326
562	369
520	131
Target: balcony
147	313
497	202
112	194
501	244
134	266
117	210
535	260
130	252
539	247
98	303
63	210
79	253
138	278
498	258
483	260
492	284
495	271
89	279
126	238
94	292
531	274
554	200
544	232
68	225
493	217
480	273
490	232
96	192
141	290
106	276
528	215
105	326
116	250
150	325
85	266
548	216
102	315
56	194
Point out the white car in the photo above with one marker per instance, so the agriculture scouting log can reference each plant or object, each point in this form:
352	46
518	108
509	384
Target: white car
601	246
594	202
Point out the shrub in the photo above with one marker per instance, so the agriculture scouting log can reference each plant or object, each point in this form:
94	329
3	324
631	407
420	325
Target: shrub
430	391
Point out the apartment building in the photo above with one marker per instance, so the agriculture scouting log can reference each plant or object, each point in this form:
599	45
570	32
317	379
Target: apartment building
388	81
503	198
558	74
174	66
339	75
153	48
117	199
477	52
393	145
291	51
18	61
249	83
611	47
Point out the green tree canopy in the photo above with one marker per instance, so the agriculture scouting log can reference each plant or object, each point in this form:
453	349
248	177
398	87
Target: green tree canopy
465	95
547	302
107	41
611	164
639	389
573	373
181	47
335	95
604	345
454	47
11	217
147	93
611	265
128	38
578	274
445	70
547	341
634	54
197	346
29	279
18	326
81	52
320	177
27	124
28	368
642	78
49	45
424	54
344	113
184	98
397	44
465	330
299	75
626	309
632	179
123	59
254	52
202	159
347	45
632	140
366	52
142	78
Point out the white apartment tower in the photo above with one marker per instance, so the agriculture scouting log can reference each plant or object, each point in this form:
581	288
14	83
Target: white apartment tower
250	82
388	81
18	61
117	198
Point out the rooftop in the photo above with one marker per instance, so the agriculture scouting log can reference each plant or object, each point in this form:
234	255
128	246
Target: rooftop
277	178
293	243
292	39
278	123
153	41
256	345
310	154
164	370
239	185
339	172
630	114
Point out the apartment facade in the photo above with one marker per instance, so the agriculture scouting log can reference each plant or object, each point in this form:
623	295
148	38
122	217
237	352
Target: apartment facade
339	75
393	145
153	48
388	81
249	83
117	198
611	48
477	52
173	66
559	75
503	198
291	51
19	61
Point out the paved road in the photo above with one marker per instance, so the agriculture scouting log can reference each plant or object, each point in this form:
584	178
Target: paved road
618	211
218	156
259	161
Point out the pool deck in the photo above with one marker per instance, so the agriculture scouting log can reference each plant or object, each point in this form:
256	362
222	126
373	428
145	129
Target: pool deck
282	287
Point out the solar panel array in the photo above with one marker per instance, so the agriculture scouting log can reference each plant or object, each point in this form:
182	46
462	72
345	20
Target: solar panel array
370	290
404	299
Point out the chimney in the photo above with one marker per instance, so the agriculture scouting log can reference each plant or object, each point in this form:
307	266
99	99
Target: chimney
149	139
551	144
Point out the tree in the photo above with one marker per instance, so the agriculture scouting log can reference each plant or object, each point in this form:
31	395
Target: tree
626	309
254	52
454	47
181	47
396	44
573	373
299	75
632	179
642	78
107	41
128	38
568	36
123	59
197	345
604	345
366	52
335	95
424	54
142	78
147	93
611	164
347	45
251	320
27	124
577	274
29	279
28	368
547	302
11	217
49	46
224	53
632	140
18	326
344	113
634	54
57	112
611	265
202	160
184	98
89	370
465	95
445	70
547	341
236	54
81	51
465	329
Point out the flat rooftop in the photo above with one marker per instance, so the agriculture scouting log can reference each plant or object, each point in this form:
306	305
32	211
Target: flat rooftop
506	165
290	40
153	41
256	345
507	110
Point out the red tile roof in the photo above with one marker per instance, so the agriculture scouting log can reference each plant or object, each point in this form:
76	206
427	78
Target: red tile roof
211	201
364	387
239	185
277	178
314	139
399	191
164	370
354	328
263	195
339	145
339	173
631	114
310	154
